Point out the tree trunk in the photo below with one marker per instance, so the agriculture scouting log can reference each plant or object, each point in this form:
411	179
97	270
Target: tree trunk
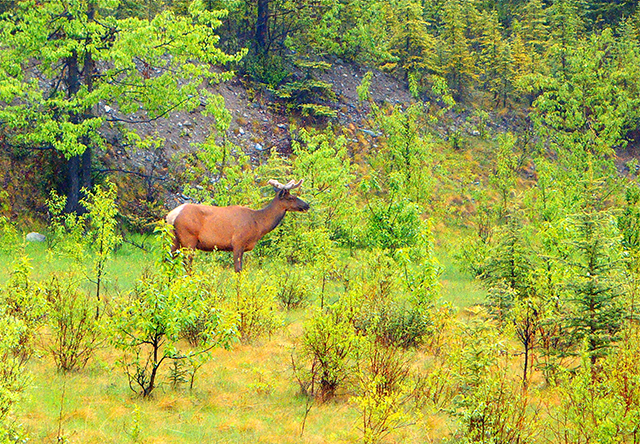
262	24
73	169
73	185
79	166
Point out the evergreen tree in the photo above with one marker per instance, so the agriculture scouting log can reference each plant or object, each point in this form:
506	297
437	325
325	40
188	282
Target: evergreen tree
496	58
566	24
68	67
406	164
459	65
591	103
529	44
595	282
629	225
410	41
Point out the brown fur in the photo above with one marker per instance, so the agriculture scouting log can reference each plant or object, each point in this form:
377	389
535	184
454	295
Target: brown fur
234	228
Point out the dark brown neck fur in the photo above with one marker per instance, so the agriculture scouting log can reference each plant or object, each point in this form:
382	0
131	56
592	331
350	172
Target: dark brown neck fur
270	216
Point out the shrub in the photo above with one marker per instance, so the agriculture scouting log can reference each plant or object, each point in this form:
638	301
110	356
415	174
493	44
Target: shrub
385	391
395	304
21	312
9	236
325	360
394	324
74	326
148	323
22	299
599	403
490	404
254	304
13	378
101	230
66	230
293	288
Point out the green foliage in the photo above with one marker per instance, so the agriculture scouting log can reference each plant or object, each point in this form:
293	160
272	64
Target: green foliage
600	403
457	59
10	241
22	309
504	176
393	225
489	405
148	323
363	89
394	300
385	392
66	230
23	300
13	377
253	302
269	69
325	361
404	168
294	287
76	331
303	93
323	161
591	102
95	63
101	236
594	285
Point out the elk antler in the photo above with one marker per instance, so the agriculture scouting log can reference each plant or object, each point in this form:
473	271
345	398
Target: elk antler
290	186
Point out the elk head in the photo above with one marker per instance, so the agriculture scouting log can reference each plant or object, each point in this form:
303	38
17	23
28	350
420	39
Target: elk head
287	200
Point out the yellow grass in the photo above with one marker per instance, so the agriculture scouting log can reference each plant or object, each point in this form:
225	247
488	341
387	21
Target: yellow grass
244	395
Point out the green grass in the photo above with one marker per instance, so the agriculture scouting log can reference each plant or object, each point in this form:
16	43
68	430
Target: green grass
244	395
458	288
229	404
122	270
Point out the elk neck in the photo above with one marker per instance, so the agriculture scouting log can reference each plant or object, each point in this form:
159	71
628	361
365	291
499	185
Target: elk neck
270	216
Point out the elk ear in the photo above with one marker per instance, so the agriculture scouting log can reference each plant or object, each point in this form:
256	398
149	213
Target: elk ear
282	193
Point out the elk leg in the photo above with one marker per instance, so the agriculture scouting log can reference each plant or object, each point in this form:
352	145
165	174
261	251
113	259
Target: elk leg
188	261
176	243
237	260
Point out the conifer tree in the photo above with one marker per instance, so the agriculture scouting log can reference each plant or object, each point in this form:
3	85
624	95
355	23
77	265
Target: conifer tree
629	225
68	67
496	58
529	43
459	63
410	40
566	24
595	282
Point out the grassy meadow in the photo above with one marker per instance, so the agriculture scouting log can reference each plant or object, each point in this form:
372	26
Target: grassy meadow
245	394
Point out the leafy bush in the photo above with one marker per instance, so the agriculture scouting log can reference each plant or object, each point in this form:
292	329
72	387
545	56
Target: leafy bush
598	404
395	324
394	307
293	287
267	68
13	377
490	404
325	361
23	300
148	324
66	230
393	225
75	327
22	310
10	240
385	391
254	304
101	236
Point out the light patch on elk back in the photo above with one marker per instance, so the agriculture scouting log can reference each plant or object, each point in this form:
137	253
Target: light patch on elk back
173	214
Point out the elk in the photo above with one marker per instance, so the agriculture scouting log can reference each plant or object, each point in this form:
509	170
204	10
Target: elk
233	228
